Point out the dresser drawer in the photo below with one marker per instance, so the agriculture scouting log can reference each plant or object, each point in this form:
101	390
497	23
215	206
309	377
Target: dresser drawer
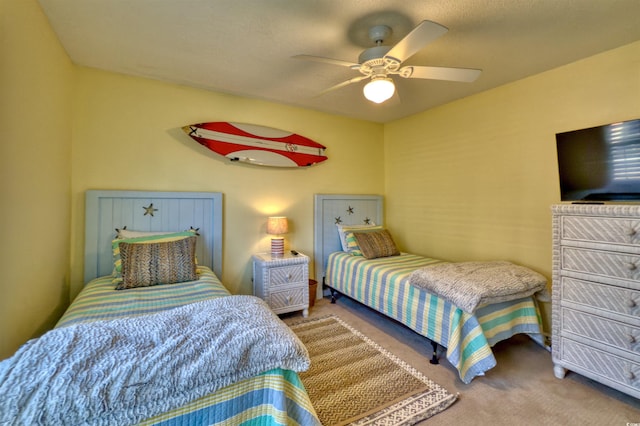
287	275
291	297
616	371
598	262
601	296
606	331
601	229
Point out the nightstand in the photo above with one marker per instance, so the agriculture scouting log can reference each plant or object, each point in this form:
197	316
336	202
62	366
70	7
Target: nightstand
283	282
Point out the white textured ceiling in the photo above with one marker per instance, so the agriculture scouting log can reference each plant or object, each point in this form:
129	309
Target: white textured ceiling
245	47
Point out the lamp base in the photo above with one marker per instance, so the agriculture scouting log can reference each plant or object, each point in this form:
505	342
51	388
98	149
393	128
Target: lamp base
277	247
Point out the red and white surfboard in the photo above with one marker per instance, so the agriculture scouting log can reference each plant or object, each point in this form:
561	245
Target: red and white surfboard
259	145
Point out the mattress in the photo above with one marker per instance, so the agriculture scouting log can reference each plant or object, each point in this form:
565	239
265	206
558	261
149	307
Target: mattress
276	397
383	284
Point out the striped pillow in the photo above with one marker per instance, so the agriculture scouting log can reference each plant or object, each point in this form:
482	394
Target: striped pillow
343	230
352	245
150	264
376	244
126	233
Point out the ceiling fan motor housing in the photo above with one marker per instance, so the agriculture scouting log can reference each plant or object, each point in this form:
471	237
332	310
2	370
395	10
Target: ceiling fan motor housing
371	53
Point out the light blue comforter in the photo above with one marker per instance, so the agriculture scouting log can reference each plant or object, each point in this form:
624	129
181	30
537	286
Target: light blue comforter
126	370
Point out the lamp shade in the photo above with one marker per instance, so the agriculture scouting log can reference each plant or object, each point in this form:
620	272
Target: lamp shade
277	225
379	90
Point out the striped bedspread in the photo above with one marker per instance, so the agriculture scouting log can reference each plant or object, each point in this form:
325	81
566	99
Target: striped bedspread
99	301
276	397
383	284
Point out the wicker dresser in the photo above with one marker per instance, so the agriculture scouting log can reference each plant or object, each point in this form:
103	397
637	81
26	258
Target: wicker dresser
596	293
283	282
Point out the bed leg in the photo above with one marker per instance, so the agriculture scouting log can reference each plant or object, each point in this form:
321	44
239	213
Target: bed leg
333	295
434	358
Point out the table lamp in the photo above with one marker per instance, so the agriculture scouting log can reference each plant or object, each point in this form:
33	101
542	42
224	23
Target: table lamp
277	226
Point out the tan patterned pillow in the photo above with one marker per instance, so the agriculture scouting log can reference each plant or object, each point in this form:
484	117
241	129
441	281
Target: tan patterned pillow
376	244
151	238
150	264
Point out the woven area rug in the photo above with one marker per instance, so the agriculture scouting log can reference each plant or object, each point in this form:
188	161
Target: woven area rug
352	380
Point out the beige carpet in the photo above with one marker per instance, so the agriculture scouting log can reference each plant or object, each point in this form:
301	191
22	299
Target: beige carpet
521	389
354	381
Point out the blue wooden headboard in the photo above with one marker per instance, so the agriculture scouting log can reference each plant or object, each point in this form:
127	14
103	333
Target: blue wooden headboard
346	209
150	211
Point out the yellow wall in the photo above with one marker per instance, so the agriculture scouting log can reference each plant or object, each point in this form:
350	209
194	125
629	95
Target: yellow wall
127	135
475	179
35	174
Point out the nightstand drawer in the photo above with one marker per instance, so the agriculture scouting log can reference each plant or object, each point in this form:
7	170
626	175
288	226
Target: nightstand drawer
287	298
287	275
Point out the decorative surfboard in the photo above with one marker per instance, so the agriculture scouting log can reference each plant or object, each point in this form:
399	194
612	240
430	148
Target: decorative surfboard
258	145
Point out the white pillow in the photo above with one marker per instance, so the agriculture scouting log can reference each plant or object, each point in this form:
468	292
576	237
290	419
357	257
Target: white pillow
343	229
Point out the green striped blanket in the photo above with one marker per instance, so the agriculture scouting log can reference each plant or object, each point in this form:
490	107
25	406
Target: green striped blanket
383	284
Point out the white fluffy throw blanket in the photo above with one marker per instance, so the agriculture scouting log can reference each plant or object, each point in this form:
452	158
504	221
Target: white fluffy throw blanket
123	371
471	284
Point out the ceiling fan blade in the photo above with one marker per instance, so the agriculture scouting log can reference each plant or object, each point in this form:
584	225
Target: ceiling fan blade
465	75
344	83
327	61
425	32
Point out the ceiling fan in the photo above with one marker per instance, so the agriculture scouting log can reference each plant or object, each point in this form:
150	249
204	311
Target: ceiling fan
380	62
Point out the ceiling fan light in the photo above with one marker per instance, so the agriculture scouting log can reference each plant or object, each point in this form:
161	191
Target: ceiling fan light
379	90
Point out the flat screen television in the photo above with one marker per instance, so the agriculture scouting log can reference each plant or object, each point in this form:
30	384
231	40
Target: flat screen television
600	163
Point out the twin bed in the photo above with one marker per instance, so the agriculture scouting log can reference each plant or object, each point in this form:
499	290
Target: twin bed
161	354
388	285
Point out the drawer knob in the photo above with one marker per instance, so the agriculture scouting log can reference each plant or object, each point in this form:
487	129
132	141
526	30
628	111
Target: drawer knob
631	232
631	303
632	339
630	375
632	266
